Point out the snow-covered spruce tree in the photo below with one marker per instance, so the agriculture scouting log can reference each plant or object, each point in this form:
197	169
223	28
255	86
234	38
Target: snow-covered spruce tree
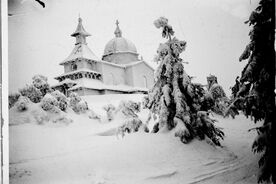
254	91
174	98
216	93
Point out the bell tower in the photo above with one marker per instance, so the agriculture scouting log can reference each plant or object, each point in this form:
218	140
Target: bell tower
80	34
81	63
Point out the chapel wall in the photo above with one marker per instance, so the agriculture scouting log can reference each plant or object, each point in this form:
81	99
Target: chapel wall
129	76
143	76
112	75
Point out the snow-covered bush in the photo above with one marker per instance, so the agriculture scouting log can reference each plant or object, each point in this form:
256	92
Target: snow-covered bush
40	116
62	100
174	98
129	108
131	121
93	115
22	103
77	104
40	82
32	93
13	99
81	107
132	125
50	103
62	119
217	91
74	98
110	110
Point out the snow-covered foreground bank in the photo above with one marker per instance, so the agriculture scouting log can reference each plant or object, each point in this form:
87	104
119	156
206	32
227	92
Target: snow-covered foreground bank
88	151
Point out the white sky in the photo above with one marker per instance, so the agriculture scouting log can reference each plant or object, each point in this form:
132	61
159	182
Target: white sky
214	30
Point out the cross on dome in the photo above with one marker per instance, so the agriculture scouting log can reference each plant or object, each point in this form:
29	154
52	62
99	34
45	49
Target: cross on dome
118	32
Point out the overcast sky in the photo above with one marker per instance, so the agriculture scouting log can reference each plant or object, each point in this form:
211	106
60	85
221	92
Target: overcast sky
39	38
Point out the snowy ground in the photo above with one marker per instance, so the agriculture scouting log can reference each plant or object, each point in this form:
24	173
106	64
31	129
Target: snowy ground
80	152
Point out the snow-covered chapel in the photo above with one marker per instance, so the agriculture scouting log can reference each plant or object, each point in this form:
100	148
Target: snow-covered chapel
119	70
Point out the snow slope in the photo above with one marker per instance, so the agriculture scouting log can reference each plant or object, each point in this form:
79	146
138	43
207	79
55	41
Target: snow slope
79	152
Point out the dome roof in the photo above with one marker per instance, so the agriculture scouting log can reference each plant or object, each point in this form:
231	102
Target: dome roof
118	45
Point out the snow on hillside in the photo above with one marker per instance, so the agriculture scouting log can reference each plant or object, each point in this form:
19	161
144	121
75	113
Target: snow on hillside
78	152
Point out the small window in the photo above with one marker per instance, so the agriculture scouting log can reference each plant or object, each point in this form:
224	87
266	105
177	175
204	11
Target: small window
145	81
74	66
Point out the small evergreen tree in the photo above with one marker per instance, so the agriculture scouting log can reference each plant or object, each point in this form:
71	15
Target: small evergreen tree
40	82
77	104
254	92
174	98
61	98
216	93
50	103
13	97
22	103
32	93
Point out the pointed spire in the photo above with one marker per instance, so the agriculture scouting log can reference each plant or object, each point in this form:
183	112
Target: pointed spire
118	32
80	33
80	30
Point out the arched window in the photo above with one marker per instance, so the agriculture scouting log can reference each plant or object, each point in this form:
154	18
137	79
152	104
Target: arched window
74	66
145	81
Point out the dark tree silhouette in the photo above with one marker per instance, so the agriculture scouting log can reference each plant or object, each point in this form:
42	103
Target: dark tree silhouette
254	91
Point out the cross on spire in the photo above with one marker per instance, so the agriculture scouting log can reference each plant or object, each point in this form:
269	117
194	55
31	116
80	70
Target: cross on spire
117	32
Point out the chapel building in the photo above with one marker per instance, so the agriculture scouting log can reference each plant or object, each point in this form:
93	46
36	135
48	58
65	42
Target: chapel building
118	71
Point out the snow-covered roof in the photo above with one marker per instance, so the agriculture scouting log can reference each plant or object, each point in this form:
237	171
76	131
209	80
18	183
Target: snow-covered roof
80	51
132	63
99	85
136	63
88	83
125	88
119	44
113	64
80	30
81	70
128	65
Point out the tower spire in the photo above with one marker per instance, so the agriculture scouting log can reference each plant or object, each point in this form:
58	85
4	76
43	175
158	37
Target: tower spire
118	32
80	33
